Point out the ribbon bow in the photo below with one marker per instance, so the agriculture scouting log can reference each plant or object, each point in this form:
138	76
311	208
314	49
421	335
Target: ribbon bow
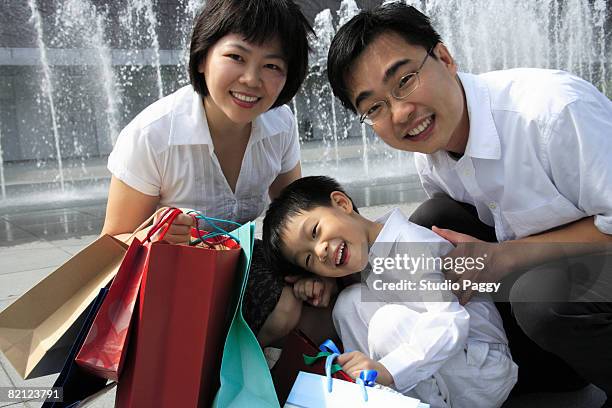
328	347
367	378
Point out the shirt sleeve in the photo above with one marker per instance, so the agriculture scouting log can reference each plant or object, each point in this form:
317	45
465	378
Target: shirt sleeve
429	185
134	161
291	151
580	157
436	335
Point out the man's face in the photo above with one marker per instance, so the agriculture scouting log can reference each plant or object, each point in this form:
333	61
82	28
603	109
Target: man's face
431	118
327	241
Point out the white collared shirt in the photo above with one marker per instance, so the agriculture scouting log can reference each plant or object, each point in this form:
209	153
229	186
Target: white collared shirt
538	156
167	151
442	328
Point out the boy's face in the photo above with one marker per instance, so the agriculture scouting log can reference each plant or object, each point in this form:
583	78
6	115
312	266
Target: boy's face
328	241
433	117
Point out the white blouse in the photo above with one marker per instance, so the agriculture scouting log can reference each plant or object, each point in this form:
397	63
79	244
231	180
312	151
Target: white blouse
167	151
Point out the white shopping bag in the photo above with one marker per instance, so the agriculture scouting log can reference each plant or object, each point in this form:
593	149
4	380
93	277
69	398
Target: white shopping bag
311	391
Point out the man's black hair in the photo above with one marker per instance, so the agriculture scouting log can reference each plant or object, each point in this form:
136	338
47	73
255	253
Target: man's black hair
258	21
355	36
302	195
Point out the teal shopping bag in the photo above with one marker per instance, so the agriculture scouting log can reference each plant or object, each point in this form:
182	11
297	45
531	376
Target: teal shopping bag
245	376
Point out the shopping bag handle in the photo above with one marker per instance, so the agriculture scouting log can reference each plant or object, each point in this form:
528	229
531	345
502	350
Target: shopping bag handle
212	221
166	211
164	222
367	378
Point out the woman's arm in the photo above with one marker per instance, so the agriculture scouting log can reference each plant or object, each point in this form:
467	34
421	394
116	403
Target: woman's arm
283	180
127	208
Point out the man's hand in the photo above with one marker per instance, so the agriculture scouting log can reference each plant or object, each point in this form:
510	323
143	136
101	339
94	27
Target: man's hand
495	258
355	362
315	290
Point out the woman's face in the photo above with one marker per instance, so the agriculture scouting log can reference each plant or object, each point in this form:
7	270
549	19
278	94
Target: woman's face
243	79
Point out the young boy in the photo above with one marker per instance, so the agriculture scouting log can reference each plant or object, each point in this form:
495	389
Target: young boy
445	353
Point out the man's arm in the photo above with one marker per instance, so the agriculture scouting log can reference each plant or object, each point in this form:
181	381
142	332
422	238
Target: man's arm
577	238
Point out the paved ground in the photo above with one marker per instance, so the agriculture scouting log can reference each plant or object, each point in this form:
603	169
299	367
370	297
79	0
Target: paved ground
35	240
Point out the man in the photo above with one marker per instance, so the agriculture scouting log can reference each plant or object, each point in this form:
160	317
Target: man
522	157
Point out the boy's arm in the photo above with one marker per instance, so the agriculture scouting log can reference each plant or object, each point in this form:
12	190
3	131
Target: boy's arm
414	345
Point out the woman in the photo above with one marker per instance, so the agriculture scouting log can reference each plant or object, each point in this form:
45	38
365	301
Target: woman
225	143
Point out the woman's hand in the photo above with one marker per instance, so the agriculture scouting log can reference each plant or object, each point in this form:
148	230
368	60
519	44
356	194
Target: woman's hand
355	362
180	230
315	290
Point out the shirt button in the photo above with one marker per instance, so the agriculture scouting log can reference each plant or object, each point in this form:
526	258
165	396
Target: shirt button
492	205
466	172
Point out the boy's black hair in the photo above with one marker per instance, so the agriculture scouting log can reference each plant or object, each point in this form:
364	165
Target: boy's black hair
355	36
258	21
302	195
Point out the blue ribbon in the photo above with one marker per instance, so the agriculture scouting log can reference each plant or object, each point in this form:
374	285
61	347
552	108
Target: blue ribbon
367	378
329	346
328	364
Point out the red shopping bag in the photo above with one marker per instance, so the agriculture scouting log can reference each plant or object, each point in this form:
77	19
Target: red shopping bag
184	307
291	362
104	349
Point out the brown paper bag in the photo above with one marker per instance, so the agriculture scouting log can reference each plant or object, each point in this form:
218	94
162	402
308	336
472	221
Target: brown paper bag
37	321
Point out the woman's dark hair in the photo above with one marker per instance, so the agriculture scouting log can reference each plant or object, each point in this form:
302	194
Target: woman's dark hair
355	36
303	194
258	21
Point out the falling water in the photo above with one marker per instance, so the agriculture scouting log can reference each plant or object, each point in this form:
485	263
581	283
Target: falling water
108	77
191	7
2	181
295	113
364	138
600	21
348	9
561	34
47	85
324	29
146	8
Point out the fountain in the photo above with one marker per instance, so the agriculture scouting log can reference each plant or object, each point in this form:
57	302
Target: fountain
324	30
2	180
144	9
47	85
87	69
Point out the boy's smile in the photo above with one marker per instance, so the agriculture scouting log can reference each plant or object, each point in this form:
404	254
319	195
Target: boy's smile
329	241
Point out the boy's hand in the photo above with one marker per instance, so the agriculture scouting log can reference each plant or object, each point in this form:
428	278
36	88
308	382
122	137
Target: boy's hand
355	362
317	291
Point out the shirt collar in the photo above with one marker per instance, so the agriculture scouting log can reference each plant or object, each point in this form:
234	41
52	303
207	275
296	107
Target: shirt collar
189	125
483	140
393	222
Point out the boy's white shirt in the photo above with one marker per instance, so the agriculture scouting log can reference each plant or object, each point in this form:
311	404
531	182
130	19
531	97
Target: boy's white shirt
443	328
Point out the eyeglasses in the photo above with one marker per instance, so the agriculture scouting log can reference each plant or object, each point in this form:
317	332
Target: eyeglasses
405	86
